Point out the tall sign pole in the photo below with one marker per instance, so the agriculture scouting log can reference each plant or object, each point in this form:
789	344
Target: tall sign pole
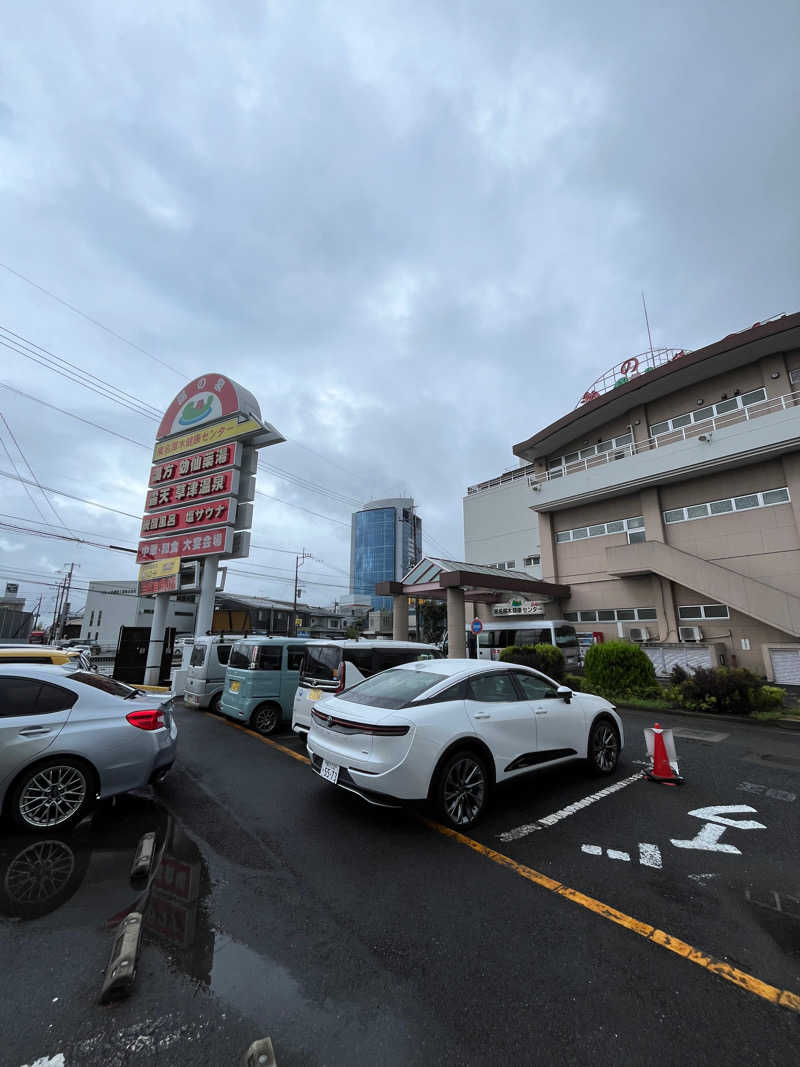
199	500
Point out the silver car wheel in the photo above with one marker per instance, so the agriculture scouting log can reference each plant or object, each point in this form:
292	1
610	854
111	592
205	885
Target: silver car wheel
52	796
605	747
39	872
464	791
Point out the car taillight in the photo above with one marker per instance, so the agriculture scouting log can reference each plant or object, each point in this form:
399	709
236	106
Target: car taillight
340	675
347	726
149	719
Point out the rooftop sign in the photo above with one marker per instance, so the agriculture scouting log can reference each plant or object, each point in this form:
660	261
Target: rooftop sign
628	369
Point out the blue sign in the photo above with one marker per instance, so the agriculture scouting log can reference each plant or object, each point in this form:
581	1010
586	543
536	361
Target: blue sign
476	626
303	633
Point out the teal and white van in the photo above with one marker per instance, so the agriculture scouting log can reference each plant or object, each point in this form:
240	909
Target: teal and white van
261	680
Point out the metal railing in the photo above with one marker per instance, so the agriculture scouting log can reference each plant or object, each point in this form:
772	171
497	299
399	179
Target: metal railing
695	430
502	479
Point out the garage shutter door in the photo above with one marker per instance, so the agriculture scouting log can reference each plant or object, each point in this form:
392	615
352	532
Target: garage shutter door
786	665
665	658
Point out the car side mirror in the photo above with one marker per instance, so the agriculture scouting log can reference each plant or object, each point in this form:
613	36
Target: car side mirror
565	693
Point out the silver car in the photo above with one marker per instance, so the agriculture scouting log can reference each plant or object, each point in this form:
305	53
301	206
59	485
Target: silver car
68	737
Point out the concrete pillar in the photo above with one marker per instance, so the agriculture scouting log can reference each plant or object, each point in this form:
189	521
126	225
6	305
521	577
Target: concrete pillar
775	365
456	624
152	671
204	619
670	615
399	617
653	517
791	474
547	547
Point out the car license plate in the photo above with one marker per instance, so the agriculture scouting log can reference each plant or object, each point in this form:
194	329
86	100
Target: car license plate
315	694
235	687
329	771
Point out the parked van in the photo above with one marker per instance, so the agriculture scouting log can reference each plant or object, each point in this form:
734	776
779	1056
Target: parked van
205	675
261	680
496	636
333	666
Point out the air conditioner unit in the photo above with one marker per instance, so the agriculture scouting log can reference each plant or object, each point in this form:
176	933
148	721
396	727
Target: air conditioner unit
690	633
639	633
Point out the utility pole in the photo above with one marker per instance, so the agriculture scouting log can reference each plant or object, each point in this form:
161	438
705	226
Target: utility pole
36	614
65	605
298	563
56	609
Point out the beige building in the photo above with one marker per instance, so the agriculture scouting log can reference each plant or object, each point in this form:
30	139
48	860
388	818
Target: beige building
669	502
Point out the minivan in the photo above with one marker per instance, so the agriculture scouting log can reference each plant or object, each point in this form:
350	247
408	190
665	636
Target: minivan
495	636
333	666
205	675
261	680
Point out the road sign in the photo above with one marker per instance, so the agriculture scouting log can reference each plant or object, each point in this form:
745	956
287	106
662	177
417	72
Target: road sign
476	626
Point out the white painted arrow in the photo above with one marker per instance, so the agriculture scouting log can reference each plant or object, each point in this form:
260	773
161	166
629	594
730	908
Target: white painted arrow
717	814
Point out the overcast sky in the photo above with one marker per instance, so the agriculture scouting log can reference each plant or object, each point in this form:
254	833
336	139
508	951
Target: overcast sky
415	231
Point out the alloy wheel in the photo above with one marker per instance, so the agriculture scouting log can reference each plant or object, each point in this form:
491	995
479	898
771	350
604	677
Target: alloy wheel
464	791
266	720
605	747
52	796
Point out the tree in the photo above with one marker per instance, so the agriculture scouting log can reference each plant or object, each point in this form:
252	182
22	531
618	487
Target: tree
434	620
355	629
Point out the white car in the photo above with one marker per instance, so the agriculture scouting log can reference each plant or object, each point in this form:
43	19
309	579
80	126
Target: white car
447	731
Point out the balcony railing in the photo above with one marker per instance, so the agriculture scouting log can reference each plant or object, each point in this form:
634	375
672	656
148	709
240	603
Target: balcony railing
697	430
502	479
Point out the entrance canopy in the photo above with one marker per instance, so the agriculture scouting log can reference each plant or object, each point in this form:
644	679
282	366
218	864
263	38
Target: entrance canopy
431	578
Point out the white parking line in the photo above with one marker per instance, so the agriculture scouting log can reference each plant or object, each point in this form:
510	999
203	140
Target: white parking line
571	809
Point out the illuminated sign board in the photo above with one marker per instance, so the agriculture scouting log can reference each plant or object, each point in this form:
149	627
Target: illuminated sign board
217	433
163	568
214	513
199	463
151	586
223	483
216	541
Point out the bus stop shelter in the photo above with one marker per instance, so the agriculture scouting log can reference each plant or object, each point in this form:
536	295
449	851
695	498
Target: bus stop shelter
458	583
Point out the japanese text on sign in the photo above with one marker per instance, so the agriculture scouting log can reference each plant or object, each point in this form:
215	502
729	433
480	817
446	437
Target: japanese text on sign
166	496
198	463
209	543
158	585
211	514
210	435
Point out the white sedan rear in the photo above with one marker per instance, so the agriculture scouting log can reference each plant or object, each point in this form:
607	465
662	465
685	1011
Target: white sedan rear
448	730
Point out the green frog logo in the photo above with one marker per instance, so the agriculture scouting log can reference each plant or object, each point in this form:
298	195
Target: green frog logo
195	411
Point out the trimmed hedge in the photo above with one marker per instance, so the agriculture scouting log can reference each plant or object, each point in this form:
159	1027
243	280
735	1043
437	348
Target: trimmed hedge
726	691
545	658
619	669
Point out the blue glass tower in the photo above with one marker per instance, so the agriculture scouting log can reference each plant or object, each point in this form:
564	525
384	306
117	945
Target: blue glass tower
386	542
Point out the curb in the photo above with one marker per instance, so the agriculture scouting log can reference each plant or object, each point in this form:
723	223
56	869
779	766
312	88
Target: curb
742	720
788	722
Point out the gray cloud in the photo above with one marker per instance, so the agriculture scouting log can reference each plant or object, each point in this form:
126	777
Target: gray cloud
390	221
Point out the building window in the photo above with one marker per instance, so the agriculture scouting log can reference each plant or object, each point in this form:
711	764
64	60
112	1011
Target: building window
703	611
555	467
726	507
99	617
602	529
702	414
635	536
532	561
612	615
91	619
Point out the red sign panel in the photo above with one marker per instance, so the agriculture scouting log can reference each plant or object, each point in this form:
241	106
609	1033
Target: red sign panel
214	513
159	585
198	463
211	542
223	483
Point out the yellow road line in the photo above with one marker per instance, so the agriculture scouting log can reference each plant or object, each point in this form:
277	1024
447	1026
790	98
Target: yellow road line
265	740
782	997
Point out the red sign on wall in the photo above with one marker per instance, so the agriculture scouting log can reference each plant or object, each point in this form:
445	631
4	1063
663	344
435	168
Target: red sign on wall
211	542
158	585
214	513
198	463
223	483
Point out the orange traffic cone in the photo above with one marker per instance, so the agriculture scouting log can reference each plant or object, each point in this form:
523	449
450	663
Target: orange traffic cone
662	769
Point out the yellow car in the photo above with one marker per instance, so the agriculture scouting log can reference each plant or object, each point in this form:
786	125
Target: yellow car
38	654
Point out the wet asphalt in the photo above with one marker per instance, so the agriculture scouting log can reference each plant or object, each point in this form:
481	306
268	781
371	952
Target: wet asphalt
281	906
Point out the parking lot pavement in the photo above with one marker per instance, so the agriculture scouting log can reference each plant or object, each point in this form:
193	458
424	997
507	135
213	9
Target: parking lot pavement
358	935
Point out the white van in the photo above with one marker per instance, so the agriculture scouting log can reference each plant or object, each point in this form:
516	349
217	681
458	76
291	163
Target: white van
205	676
496	636
333	666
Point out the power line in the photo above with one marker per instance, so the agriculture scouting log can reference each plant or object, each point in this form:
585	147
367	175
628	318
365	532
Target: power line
89	318
50	503
72	415
69	496
27	490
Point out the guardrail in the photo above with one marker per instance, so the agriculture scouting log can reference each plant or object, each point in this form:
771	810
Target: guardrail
695	430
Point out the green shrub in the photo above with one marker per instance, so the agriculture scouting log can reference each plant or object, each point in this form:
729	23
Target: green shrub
723	690
574	681
769	698
545	658
678	675
620	669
